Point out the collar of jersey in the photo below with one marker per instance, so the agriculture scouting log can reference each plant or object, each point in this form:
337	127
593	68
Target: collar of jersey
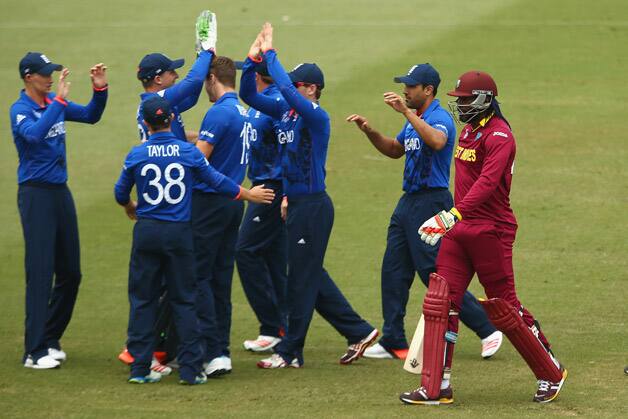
483	122
32	103
435	103
161	136
227	96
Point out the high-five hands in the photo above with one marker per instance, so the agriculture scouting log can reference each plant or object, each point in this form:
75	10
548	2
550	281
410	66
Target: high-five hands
206	31
63	87
98	74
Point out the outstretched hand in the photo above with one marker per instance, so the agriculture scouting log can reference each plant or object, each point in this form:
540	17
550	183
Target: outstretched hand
395	101
267	37
256	47
98	74
360	121
63	87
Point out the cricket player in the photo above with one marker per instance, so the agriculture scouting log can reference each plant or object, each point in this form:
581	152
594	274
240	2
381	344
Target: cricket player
45	202
303	133
427	140
164	169
158	76
261	251
224	140
478	236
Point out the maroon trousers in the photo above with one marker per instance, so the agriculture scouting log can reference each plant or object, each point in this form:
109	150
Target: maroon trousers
486	249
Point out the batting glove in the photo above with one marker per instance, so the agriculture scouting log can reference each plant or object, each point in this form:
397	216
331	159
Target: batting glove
206	31
433	229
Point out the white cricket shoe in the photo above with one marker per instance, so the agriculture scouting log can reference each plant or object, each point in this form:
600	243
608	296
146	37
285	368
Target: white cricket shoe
160	368
43	363
261	344
218	366
276	361
57	354
377	351
491	344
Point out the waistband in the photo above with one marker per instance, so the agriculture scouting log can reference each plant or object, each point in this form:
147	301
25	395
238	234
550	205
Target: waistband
308	197
270	183
147	220
44	185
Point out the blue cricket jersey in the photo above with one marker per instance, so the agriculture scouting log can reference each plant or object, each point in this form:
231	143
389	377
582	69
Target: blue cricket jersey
39	134
264	152
182	96
303	129
226	126
425	167
164	170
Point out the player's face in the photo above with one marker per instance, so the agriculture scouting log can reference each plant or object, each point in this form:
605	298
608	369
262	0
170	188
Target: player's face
168	78
40	83
415	96
463	105
306	90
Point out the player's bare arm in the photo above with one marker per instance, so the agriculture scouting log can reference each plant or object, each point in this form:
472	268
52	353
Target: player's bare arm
385	145
434	138
191	136
130	208
257	194
284	208
205	147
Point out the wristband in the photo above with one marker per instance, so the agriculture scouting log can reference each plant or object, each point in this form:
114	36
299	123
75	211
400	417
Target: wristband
101	89
61	101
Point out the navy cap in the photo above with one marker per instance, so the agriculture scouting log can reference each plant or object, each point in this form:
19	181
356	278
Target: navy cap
423	74
307	73
156	110
36	62
260	68
155	64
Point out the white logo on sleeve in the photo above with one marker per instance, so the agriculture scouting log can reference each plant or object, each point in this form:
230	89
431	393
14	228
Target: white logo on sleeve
302	241
500	134
206	133
314	105
19	118
257	219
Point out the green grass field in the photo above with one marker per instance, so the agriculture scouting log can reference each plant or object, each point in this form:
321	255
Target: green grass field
561	70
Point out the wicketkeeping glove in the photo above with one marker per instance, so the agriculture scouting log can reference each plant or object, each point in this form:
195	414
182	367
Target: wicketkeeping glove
433	229
206	31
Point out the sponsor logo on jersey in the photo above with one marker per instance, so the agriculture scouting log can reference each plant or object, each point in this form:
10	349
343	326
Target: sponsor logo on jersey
242	110
19	118
56	129
285	137
500	134
206	133
465	154
412	144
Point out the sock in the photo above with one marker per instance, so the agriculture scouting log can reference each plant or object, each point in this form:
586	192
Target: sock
444	384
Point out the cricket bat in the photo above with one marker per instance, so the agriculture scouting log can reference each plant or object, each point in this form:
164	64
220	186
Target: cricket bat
414	360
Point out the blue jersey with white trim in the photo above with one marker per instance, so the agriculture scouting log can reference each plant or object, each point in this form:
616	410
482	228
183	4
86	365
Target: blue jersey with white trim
303	129
264	153
182	96
164	170
226	126
39	134
425	167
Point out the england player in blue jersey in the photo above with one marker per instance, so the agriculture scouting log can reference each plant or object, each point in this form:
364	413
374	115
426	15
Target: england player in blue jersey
223	138
164	170
303	132
426	140
45	202
261	252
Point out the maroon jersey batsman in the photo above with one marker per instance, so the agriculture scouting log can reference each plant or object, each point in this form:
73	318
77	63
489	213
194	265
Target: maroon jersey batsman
478	236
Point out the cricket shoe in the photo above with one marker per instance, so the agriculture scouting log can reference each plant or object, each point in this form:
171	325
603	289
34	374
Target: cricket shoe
162	369
261	344
419	396
491	344
57	354
355	350
126	357
153	377
199	379
44	363
276	361
377	351
218	366
548	390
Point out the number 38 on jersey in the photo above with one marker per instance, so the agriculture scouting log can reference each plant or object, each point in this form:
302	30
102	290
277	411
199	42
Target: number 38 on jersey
171	188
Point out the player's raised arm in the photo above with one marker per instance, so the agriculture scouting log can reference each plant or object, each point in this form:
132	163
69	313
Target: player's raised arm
92	112
385	145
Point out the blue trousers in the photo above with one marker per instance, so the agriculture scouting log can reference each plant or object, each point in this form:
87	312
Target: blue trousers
52	250
215	222
310	220
163	250
406	254
262	258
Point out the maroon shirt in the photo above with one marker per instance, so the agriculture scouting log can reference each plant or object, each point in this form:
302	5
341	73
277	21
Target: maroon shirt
484	165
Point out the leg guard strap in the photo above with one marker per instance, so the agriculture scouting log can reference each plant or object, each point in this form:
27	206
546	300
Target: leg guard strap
507	319
436	314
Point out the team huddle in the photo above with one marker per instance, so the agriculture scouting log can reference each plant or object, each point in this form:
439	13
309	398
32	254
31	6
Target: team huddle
192	229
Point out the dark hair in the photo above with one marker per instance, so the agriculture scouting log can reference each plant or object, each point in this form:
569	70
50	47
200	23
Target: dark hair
156	126
498	111
147	83
224	69
318	92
